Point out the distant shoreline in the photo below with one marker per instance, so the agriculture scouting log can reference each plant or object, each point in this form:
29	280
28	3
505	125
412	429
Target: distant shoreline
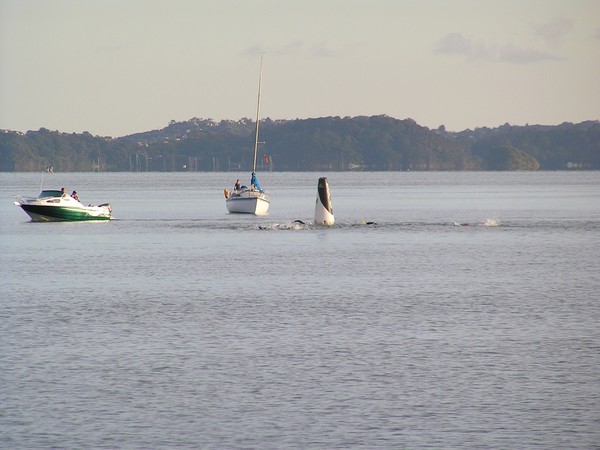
376	143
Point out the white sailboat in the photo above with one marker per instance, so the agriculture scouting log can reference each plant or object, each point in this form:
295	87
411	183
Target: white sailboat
253	199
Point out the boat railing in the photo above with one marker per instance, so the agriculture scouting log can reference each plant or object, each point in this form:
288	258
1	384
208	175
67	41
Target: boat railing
21	199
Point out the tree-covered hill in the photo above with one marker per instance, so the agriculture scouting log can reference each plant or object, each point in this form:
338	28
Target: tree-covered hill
555	147
328	143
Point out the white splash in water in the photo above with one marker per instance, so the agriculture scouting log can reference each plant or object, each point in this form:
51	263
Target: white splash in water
491	222
295	225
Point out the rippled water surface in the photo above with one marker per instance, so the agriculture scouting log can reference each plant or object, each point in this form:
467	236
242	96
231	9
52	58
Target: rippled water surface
466	316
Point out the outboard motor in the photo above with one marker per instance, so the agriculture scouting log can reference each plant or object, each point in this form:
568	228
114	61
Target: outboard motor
323	208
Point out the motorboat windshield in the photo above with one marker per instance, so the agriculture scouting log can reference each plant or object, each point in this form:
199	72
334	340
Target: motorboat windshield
50	193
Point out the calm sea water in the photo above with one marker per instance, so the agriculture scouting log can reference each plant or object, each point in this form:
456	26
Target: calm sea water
468	316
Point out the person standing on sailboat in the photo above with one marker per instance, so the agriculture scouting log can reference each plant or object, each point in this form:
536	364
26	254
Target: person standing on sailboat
254	183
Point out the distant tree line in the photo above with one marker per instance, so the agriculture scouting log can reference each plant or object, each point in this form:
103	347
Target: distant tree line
328	143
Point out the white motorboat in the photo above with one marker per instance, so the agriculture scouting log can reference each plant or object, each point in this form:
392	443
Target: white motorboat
58	206
253	199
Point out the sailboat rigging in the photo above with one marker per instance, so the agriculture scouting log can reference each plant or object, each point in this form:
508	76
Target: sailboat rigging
253	199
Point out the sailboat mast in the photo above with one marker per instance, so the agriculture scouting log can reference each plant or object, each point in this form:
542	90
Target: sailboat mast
257	115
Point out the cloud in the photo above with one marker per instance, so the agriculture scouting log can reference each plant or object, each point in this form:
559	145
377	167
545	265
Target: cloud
555	30
298	48
472	50
293	48
597	34
322	50
457	44
252	52
512	54
325	50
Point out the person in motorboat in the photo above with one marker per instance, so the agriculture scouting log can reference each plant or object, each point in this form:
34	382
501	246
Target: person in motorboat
75	196
237	186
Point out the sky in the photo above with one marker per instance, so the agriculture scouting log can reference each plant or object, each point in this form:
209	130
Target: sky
117	67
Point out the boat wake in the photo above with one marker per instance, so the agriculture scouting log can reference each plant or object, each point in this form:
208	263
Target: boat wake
490	222
308	225
358	225
294	225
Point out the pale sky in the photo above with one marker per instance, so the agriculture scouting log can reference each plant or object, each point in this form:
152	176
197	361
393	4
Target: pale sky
116	67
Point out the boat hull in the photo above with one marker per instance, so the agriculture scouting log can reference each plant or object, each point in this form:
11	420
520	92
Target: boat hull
249	202
43	213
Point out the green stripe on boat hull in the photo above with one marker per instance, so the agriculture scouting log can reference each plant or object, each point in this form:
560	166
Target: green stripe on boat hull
62	214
